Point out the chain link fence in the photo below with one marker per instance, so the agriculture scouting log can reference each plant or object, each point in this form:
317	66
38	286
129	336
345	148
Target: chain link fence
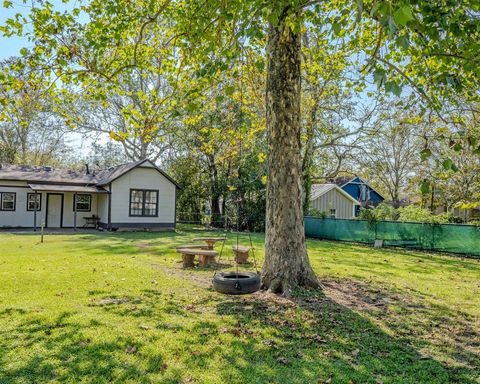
452	238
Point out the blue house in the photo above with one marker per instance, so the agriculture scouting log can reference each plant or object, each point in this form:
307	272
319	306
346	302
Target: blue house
360	190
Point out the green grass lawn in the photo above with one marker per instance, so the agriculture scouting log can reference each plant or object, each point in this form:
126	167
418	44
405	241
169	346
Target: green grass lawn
117	307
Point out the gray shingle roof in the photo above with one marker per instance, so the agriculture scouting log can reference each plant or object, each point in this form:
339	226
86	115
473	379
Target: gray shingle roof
45	175
64	176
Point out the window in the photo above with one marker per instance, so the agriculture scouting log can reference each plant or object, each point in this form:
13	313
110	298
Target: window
34	201
363	192
83	203
7	201
333	213
143	202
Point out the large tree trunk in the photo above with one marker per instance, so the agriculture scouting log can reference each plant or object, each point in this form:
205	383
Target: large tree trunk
286	263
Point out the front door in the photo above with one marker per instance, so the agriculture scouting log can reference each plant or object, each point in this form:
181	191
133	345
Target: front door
54	210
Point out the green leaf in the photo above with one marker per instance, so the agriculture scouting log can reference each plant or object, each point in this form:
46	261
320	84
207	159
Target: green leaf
337	28
425	153
402	41
425	187
393	87
229	89
379	76
403	15
447	164
7	4
24	51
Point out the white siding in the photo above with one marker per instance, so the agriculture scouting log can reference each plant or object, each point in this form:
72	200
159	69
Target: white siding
20	217
143	178
23	218
68	212
102	207
334	199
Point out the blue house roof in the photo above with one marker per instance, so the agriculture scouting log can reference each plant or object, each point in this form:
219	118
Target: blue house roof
360	190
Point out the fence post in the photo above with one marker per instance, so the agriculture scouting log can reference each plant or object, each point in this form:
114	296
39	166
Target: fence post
433	237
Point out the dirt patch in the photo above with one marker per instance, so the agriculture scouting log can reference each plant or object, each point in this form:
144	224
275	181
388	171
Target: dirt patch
113	301
357	295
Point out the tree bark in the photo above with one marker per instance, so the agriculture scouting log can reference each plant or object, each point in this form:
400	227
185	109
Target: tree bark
286	265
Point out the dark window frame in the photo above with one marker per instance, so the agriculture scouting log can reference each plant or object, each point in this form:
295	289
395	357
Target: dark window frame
333	213
143	202
14	202
39	203
89	202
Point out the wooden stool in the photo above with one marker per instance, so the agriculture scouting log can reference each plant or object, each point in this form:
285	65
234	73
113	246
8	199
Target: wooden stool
241	253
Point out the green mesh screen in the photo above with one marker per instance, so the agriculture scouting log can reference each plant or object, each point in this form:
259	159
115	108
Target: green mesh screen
464	239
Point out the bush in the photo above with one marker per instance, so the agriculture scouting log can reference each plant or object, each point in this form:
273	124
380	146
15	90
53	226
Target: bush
382	212
422	215
317	213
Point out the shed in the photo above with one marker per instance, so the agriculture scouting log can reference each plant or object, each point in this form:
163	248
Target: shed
333	201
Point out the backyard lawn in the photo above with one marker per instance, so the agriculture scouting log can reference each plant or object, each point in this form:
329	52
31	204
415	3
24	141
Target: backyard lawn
117	307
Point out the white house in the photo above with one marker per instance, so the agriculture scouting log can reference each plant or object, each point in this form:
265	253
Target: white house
132	195
333	201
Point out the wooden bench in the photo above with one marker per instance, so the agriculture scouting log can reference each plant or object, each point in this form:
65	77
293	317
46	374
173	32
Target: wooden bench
241	253
205	257
194	246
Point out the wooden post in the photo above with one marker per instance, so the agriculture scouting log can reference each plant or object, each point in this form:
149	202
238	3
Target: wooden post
41	232
75	211
35	213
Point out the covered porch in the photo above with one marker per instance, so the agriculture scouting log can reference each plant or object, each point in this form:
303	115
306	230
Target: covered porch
69	206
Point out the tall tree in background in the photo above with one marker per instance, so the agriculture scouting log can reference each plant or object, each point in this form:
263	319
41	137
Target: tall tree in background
31	130
391	154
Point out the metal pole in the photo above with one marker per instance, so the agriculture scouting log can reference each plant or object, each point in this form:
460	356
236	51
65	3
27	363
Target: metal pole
75	211
41	232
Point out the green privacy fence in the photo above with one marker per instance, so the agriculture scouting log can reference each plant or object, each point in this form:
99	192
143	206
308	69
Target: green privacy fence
463	239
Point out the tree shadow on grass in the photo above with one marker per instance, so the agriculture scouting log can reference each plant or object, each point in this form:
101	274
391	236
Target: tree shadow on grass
319	339
223	339
62	353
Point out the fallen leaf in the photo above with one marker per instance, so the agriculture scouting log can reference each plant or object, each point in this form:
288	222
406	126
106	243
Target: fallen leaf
283	360
131	349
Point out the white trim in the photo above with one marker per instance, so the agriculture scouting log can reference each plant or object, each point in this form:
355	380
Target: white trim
335	186
364	182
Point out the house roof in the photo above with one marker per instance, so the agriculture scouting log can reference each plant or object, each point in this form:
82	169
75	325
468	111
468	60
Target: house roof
45	175
66	188
318	190
49	175
341	181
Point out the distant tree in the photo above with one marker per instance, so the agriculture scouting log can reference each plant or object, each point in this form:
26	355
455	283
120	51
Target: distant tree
31	130
391	153
103	156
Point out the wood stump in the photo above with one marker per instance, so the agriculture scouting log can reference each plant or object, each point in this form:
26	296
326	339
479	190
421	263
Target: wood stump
188	260
241	254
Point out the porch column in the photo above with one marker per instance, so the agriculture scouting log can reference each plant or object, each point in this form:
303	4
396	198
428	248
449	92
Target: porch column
75	211
109	219
35	213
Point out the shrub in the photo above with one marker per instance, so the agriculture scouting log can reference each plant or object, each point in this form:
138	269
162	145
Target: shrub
422	215
317	213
